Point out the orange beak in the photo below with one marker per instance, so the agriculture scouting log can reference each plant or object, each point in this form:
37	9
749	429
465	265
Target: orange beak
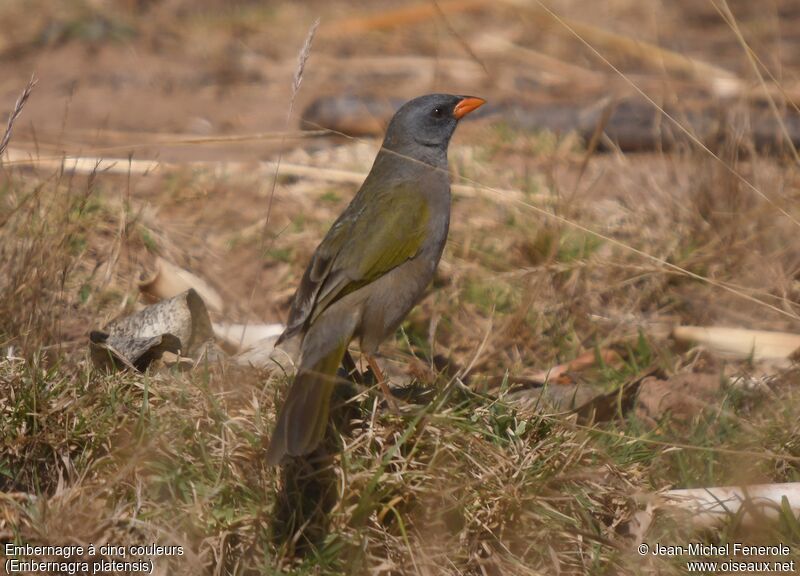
467	105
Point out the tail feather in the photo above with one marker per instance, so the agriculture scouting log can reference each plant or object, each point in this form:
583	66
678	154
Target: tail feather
303	419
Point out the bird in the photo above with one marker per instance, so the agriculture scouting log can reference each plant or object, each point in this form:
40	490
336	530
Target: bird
373	265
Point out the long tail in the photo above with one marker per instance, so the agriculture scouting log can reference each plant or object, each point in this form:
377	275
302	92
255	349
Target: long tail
303	418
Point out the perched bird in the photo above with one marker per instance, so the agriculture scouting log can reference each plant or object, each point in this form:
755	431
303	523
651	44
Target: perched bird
373	265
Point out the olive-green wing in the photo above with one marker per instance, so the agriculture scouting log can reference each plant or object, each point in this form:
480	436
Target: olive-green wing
366	242
389	232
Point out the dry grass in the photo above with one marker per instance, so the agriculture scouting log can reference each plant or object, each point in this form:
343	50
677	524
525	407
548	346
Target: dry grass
469	481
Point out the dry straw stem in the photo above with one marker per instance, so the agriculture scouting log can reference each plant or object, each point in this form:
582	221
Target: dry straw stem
568	26
662	262
722	82
16	112
730	20
561	70
122	166
768	90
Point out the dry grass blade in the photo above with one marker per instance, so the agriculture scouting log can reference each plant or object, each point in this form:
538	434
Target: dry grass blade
721	81
727	15
16	112
560	70
661	261
693	137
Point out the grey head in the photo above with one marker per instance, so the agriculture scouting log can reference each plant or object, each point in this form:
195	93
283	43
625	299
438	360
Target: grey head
422	127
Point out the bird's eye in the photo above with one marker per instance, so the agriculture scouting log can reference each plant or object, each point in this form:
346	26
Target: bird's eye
437	113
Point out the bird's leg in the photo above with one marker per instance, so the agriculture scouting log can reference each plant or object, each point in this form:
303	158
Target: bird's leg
373	365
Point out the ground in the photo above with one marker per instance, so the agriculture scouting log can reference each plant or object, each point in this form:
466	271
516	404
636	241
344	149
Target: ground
557	251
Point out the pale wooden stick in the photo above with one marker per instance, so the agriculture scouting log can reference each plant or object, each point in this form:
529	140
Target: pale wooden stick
740	342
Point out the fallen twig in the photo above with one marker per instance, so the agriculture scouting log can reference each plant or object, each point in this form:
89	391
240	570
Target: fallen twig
740	342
